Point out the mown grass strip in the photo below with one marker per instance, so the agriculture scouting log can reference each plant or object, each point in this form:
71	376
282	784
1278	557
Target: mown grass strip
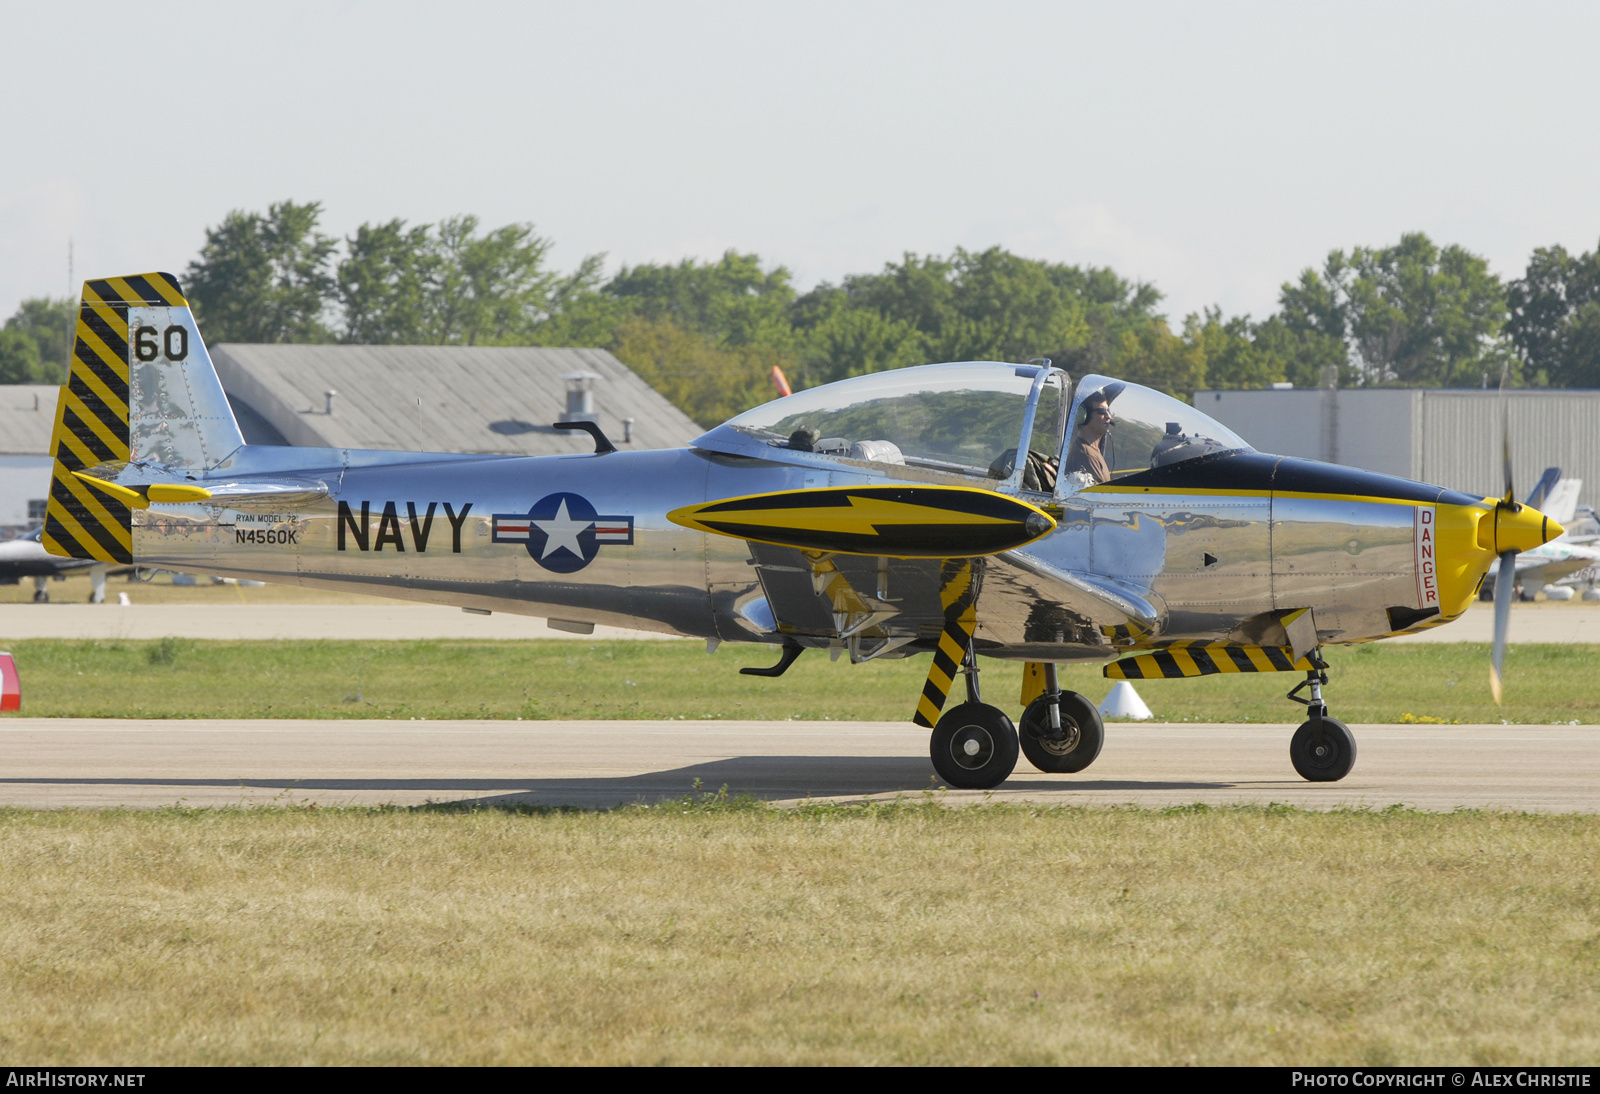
176	678
722	932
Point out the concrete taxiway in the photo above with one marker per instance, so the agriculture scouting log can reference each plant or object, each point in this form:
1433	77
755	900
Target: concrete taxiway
388	620
51	763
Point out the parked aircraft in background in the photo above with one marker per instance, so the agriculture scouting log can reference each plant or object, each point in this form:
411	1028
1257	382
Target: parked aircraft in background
992	510
26	557
1573	551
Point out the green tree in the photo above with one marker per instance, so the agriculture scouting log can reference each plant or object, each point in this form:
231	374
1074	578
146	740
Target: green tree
19	359
1231	351
383	284
707	381
732	301
1311	328
836	340
579	314
452	285
1305	355
1555	317
1151	354
491	289
1424	316
264	278
36	341
986	305
1112	306
1411	314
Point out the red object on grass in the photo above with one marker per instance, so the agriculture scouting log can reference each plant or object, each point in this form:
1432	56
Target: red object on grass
10	685
780	381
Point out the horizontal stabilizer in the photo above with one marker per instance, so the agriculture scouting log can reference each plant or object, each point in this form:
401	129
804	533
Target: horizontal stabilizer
892	521
140	497
226	495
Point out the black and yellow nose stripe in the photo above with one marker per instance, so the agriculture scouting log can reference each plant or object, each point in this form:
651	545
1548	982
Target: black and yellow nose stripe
896	521
1184	659
81	520
959	596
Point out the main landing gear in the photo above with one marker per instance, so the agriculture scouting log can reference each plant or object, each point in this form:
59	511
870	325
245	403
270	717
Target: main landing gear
974	745
1061	730
1323	750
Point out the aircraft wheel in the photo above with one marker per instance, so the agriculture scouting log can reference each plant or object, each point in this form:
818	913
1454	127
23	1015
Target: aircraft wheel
974	746
1085	733
1329	762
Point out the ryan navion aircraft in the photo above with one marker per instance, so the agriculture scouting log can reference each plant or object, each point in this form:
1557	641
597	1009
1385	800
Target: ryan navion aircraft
884	516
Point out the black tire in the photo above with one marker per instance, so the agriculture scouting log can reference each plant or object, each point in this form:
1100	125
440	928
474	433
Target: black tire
1085	729
974	746
1334	759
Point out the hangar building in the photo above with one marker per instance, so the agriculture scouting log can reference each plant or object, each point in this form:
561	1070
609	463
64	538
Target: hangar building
27	415
1445	436
485	399
480	399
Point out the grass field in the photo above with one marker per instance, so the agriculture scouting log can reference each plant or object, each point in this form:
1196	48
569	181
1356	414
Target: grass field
725	934
176	678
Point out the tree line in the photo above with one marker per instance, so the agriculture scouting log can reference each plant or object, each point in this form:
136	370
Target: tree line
708	333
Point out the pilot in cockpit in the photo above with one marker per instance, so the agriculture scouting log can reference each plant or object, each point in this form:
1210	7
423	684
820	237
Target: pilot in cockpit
1087	453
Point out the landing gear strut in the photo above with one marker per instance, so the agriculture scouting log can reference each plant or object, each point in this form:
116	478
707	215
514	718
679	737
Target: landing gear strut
974	745
1061	731
1323	750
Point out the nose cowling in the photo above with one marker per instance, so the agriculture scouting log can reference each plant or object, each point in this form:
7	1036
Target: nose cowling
1521	528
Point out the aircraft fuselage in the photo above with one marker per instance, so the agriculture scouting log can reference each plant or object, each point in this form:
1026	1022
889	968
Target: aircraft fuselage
585	538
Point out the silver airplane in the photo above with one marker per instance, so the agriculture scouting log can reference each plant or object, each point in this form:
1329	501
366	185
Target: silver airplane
983	509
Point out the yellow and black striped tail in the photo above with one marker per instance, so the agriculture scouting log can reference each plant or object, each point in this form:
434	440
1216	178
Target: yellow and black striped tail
92	419
960	599
1186	659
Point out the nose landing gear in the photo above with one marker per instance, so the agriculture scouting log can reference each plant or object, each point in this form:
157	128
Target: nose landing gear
1323	750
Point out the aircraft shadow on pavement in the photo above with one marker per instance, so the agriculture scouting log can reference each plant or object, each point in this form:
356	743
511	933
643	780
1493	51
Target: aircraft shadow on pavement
764	777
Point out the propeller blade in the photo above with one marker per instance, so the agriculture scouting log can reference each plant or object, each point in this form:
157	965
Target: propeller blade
1504	579
1505	432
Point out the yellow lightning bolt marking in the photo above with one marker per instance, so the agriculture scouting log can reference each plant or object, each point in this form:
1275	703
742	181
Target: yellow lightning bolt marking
861	516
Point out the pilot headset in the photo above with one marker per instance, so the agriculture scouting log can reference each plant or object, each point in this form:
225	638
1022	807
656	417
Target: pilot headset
1099	395
1086	408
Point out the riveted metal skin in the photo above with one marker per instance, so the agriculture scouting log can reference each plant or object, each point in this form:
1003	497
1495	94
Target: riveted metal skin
1193	564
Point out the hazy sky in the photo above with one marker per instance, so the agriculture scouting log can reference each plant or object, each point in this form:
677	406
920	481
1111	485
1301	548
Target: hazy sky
1214	149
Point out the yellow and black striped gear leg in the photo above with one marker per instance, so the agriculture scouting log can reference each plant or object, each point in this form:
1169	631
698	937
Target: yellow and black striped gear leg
959	597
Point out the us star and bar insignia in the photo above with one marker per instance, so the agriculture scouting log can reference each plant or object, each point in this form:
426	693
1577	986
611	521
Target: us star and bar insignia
563	532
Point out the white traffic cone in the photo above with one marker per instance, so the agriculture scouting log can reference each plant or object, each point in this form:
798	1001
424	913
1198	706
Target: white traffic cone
1124	702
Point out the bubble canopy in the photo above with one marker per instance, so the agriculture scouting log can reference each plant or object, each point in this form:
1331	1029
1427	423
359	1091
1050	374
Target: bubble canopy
1148	429
960	418
971	419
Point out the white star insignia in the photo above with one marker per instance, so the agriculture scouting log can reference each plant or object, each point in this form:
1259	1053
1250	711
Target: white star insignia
562	531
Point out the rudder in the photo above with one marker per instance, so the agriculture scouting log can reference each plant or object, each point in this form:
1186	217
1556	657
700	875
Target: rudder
140	387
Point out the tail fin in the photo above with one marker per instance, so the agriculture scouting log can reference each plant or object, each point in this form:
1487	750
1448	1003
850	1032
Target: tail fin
140	387
1561	503
1542	488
